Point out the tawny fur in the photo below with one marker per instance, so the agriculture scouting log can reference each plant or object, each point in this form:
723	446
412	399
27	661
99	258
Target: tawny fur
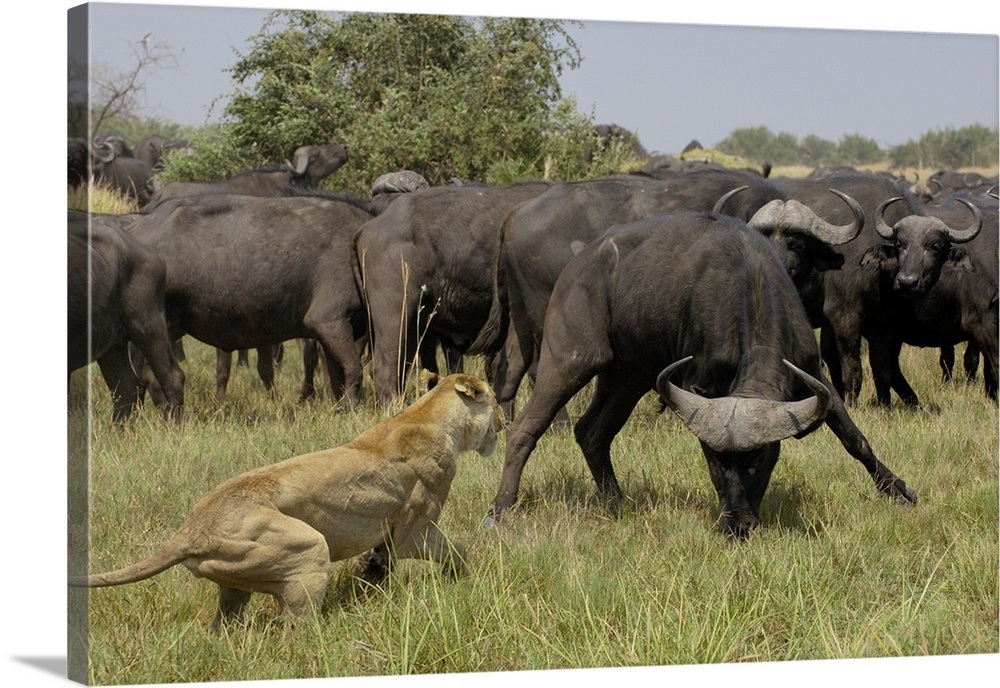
276	529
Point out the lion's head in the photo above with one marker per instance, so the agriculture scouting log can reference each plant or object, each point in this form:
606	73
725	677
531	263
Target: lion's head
485	417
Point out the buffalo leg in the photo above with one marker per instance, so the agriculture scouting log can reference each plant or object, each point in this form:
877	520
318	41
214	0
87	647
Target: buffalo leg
883	356
265	366
310	359
223	366
342	361
560	376
243	358
946	361
454	359
609	409
857	446
828	350
970	361
121	380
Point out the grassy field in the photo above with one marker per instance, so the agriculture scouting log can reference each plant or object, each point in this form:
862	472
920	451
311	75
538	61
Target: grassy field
836	571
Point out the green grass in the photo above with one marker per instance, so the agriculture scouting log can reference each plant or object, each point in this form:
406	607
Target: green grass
836	571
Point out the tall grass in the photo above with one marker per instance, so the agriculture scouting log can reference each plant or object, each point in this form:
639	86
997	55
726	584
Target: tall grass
836	571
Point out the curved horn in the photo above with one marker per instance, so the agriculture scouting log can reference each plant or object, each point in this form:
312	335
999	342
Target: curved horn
992	193
104	145
885	231
301	161
717	208
960	236
799	217
737	424
940	186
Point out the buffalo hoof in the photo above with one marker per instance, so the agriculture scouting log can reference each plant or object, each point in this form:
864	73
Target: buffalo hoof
900	492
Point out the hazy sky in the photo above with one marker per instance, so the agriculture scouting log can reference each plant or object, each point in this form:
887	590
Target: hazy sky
669	82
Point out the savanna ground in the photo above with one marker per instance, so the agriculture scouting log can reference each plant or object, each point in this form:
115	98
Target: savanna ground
836	571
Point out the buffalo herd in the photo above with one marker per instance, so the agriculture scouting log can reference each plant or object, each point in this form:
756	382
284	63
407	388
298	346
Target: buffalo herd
741	299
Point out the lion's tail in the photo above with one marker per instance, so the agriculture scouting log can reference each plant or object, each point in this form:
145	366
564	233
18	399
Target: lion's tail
171	554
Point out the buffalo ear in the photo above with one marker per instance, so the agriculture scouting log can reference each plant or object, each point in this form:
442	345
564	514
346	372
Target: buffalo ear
958	260
429	379
882	256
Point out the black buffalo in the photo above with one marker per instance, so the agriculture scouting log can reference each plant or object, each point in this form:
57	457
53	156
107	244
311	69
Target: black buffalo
247	272
650	294
898	254
309	166
126	174
425	266
153	149
116	296
962	306
541	236
78	155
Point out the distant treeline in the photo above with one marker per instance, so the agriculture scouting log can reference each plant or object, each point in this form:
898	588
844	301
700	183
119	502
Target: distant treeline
971	146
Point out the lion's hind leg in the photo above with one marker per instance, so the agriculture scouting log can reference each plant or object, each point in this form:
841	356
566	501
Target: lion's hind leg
272	553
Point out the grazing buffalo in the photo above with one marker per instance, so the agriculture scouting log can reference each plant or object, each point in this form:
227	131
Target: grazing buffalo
310	165
646	296
425	266
898	254
541	236
116	296
246	272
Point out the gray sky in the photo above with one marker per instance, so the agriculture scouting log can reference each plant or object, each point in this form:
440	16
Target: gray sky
670	82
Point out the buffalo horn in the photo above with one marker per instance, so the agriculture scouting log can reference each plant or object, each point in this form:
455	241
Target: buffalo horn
883	229
960	236
957	236
301	163
719	204
738	424
992	193
794	215
101	146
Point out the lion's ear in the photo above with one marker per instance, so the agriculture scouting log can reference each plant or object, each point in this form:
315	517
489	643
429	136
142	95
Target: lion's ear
472	388
429	379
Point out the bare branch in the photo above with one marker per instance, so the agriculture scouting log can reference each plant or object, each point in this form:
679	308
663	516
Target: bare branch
120	94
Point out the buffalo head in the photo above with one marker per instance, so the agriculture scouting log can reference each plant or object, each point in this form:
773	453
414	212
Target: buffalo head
920	246
740	437
802	238
312	164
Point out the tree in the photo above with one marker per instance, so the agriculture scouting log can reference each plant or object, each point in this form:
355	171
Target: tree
816	151
855	149
119	94
444	96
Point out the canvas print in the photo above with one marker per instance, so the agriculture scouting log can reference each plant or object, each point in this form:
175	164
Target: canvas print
414	343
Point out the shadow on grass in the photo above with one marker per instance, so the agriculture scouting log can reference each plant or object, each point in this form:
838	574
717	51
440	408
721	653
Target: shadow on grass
785	505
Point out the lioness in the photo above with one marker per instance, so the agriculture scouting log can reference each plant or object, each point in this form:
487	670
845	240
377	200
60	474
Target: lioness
276	529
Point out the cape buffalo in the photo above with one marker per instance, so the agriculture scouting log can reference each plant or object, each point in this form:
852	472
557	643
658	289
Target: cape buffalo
310	165
116	296
246	272
540	237
123	173
858	299
962	306
645	296
425	267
